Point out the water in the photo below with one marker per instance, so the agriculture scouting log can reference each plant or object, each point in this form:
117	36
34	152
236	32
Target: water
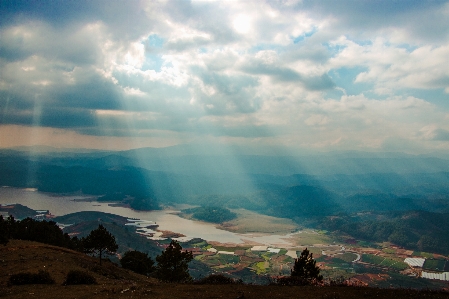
62	205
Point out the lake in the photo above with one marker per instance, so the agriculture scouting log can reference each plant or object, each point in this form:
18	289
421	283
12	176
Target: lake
62	205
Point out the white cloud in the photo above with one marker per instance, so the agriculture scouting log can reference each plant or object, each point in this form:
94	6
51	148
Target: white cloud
243	69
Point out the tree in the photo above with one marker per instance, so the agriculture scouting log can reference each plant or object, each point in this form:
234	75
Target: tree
4	235
138	262
173	264
305	268
100	242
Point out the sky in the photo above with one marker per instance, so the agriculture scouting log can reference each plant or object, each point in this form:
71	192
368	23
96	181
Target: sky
300	75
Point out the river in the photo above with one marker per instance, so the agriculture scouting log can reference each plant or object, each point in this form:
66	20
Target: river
62	205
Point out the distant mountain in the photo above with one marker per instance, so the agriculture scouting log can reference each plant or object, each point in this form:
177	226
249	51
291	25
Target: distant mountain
42	149
300	201
330	182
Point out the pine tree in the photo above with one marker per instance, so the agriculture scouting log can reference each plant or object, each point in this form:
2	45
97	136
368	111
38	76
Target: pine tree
305	268
138	262
173	264
100	242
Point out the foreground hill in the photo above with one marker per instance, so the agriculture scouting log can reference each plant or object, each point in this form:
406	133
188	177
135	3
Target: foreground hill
115	282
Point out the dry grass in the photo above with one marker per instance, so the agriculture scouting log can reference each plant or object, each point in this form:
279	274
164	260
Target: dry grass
309	237
252	222
114	282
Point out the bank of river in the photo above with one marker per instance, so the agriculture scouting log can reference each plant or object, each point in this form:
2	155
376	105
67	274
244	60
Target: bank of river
167	219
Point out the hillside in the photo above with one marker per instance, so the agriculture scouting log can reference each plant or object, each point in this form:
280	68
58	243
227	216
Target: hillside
115	282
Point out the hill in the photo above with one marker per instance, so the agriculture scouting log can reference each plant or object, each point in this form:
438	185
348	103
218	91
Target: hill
115	282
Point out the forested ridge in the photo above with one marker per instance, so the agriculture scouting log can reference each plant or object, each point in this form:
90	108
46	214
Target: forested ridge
420	230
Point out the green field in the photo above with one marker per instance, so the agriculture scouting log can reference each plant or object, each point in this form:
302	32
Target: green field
435	265
336	262
372	259
261	267
384	262
389	250
347	257
227	259
423	254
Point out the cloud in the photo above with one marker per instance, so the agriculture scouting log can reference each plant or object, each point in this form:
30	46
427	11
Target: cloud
419	21
441	135
222	94
268	64
272	70
434	133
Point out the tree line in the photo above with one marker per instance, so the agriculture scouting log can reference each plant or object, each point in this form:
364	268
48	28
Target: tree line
47	232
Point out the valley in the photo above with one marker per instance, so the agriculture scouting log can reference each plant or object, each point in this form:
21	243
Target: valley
264	251
360	224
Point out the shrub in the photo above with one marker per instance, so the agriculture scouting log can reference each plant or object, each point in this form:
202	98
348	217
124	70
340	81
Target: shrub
338	282
42	277
138	262
79	277
291	281
218	279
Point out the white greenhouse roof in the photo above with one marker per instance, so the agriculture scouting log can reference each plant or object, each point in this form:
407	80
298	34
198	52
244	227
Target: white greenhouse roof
274	250
439	276
415	262
259	248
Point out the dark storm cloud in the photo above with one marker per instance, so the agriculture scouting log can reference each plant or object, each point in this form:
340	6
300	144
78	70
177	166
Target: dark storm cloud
50	117
94	93
61	106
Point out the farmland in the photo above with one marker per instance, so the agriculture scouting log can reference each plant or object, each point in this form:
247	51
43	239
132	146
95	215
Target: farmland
436	265
384	262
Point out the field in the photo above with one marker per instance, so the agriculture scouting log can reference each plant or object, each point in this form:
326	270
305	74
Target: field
309	237
252	222
384	262
347	257
435	265
426	255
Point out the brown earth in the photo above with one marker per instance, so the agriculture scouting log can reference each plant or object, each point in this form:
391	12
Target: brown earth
115	282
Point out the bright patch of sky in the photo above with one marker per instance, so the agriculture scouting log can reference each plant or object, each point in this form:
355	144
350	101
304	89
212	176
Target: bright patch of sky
320	75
